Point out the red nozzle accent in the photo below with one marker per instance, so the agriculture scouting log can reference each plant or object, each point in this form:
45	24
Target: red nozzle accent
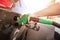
6	3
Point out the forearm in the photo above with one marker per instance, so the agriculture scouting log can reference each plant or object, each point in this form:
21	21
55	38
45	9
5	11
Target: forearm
50	11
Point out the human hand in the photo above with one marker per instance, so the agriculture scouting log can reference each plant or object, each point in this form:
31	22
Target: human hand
32	19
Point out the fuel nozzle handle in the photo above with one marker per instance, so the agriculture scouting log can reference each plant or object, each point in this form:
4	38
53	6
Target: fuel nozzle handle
45	21
40	20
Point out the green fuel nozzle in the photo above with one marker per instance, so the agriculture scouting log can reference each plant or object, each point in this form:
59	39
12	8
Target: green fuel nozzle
22	19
